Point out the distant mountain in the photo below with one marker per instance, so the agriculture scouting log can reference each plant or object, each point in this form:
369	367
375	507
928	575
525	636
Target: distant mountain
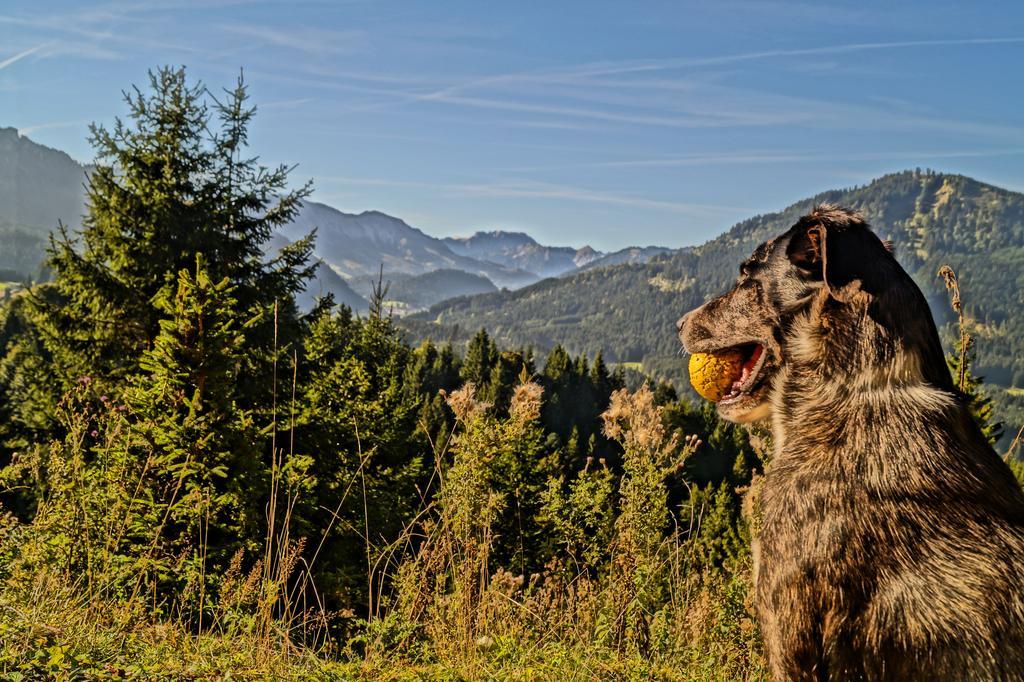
628	311
520	251
21	254
357	245
42	187
631	255
39	188
325	281
416	293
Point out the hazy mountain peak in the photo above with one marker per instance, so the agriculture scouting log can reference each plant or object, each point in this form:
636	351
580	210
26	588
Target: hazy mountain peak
630	255
520	250
39	186
585	256
357	245
496	238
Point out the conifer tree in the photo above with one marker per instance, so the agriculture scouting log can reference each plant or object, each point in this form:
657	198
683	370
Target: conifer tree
600	379
172	181
719	539
206	447
503	380
481	357
357	421
978	403
558	364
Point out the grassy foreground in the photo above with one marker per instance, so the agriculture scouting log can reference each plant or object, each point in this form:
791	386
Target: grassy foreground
65	640
629	602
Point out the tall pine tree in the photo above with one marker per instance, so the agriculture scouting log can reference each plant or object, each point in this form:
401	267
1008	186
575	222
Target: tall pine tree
171	182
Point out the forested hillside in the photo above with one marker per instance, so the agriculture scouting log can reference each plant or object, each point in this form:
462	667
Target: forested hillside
629	311
39	186
415	293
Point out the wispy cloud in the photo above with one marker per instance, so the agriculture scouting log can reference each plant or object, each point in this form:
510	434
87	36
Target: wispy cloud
629	93
89	31
542	190
311	41
668	119
757	157
710	106
571	74
575	126
21	55
28	130
286	103
720	60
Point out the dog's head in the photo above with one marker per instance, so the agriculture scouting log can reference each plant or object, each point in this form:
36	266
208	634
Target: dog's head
831	276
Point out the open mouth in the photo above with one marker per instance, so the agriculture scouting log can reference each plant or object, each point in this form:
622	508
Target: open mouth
736	378
725	374
747	375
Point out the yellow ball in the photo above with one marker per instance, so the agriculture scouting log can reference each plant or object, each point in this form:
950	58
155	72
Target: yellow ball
712	374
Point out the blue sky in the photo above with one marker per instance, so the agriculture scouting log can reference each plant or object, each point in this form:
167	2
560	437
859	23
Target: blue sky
608	123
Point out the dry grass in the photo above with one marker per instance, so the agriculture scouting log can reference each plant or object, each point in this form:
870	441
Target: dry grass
440	608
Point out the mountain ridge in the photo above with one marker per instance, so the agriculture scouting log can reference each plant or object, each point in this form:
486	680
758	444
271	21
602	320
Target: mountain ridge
41	187
357	245
628	310
520	250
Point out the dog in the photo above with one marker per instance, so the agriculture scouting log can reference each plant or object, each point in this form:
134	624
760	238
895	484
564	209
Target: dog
891	540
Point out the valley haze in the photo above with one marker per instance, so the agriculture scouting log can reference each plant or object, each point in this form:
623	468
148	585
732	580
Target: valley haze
42	187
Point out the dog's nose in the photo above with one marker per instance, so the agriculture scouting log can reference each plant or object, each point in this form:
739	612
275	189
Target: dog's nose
680	322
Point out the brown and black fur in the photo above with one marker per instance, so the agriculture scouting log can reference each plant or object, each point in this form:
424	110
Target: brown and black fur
892	536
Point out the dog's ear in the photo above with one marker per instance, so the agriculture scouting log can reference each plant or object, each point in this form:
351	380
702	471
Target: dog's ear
805	248
824	253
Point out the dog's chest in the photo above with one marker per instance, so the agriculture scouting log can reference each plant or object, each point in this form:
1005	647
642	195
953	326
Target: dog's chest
813	533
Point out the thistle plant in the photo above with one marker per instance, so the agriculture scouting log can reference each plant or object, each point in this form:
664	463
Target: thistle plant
650	454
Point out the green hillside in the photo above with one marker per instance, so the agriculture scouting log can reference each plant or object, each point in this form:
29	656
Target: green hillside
422	291
629	311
